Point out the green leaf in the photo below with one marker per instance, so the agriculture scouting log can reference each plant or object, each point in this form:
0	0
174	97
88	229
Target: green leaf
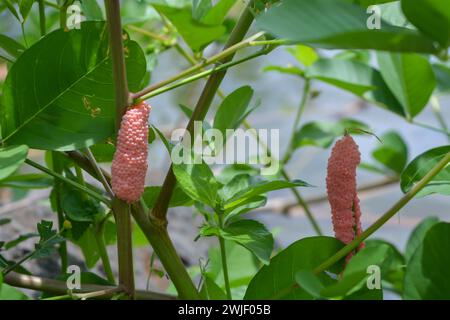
417	236
410	78
59	94
357	78
218	13
309	282
277	280
48	240
211	291
442	73
233	110
196	34
197	181
287	70
79	208
11	46
392	153
432	17
23	237
12	9
25	7
256	188
304	54
8	292
420	166
248	205
241	268
27	181
103	152
355	274
427	273
252	235
91	10
11	158
200	8
178	199
322	134
337	24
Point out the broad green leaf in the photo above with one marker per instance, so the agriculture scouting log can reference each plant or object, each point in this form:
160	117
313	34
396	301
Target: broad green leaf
362	56
28	181
200	8
91	10
432	17
322	134
242	266
178	199
252	235
196	34
337	24
309	282
211	291
103	152
410	78
11	46
218	13
233	110
25	7
442	73
238	184
11	158
393	267
392	153
59	94
48	240
249	205
357	78
88	246
420	166
427	273
417	236
277	280
233	170
79	208
197	181
261	187
307	56
8	292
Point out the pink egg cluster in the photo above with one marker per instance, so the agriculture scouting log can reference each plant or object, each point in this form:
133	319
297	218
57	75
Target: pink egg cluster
341	189
129	166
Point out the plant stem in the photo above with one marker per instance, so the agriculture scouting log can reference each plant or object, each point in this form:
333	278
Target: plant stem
160	209
388	215
122	99
436	107
42	17
99	172
99	238
69	182
301	109
427	126
200	75
222	57
223	254
60	287
147	33
62	250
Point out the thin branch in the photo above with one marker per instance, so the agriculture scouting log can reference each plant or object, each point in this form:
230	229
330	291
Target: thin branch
60	287
99	172
69	182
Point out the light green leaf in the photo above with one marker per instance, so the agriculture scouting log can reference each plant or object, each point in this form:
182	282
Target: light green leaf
27	181
304	54
410	78
337	24
11	158
420	166
392	153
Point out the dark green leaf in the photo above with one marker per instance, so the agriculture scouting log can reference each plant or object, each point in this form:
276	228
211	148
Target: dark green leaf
11	46
103	152
393	152
417	236
211	291
357	78
11	158
48	241
337	24
427	273
410	78
277	280
91	10
27	181
420	166
79	208
61	99
309	282
432	17
25	7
